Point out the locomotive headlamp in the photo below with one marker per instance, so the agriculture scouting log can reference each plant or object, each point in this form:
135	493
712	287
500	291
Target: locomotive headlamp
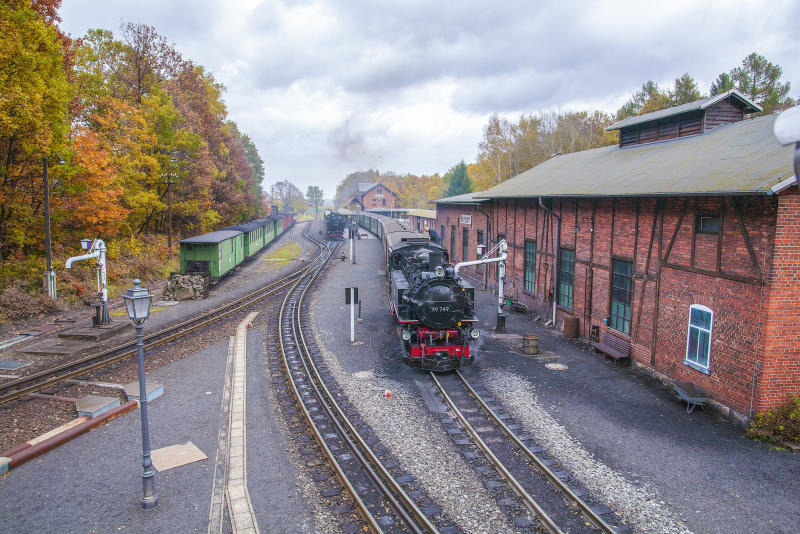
406	335
474	333
439	270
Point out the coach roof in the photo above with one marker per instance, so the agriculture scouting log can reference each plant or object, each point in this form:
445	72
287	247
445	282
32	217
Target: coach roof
213	237
739	158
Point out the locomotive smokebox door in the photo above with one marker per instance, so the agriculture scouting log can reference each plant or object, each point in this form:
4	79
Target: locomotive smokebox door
347	295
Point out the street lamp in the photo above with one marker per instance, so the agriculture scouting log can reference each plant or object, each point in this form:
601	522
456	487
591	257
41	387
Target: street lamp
137	302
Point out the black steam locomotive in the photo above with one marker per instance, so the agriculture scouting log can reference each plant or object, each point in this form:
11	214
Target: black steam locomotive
336	222
434	308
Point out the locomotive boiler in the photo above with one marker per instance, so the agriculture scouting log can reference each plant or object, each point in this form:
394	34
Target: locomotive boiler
434	308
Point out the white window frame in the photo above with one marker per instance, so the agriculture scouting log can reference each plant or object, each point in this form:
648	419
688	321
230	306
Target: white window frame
704	369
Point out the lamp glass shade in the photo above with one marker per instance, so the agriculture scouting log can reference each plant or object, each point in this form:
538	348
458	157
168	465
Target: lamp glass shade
137	302
86	244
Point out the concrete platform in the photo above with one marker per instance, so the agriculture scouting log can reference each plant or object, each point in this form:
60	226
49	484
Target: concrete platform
58	347
154	391
93	405
96	333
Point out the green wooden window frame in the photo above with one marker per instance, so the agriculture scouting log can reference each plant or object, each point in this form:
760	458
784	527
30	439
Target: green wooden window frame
621	295
529	277
566	277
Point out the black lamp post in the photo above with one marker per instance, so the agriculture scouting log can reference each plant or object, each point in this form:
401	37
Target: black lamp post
137	302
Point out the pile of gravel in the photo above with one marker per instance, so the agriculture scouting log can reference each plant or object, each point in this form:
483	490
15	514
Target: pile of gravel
419	445
637	505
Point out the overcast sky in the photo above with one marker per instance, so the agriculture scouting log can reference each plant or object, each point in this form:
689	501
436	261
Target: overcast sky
327	88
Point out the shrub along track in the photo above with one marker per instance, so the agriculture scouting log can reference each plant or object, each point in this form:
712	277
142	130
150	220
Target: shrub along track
560	507
381	503
47	378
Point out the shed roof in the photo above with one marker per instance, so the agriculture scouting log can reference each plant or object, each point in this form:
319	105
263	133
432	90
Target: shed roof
426	214
213	237
697	105
738	158
467	198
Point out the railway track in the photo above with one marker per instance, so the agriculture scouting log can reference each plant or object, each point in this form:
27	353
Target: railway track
34	382
527	471
380	501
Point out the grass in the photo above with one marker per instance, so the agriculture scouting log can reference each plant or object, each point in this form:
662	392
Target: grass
275	259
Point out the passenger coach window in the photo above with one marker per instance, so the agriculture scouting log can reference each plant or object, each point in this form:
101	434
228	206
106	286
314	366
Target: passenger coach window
698	343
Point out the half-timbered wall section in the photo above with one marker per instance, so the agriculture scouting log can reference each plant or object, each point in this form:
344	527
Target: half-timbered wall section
708	251
455	219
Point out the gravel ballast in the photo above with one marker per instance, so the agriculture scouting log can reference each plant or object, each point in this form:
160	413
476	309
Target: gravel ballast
420	447
638	505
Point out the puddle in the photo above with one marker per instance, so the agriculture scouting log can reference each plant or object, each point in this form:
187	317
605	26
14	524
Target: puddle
556	366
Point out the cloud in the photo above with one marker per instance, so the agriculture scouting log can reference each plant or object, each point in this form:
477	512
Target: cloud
325	88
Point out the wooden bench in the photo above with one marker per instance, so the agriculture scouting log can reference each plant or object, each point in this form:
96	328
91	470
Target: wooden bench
613	346
692	395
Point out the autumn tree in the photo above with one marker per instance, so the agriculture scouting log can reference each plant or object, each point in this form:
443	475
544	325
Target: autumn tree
34	118
314	197
287	195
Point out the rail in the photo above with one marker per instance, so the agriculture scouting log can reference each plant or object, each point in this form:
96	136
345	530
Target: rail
43	379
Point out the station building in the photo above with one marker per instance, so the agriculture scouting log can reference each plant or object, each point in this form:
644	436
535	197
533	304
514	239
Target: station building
373	196
683	240
422	220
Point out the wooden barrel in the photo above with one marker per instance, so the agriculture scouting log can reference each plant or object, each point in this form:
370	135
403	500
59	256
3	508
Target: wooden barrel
571	326
530	344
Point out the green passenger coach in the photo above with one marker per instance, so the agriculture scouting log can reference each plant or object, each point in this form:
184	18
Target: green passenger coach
216	253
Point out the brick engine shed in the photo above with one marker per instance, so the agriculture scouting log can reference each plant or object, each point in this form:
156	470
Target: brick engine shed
684	240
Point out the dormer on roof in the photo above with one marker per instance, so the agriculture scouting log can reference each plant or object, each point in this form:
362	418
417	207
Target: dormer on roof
687	119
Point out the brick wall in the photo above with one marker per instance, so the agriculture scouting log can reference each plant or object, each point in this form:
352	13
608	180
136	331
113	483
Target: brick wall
421	224
449	215
778	376
384	195
675	265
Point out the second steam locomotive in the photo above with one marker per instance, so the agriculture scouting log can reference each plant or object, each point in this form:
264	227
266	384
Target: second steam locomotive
434	308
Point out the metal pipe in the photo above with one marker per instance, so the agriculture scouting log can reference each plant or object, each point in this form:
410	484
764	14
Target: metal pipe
73	259
50	275
555	256
98	250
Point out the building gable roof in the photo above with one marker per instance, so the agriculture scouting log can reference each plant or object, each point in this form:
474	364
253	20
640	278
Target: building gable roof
738	158
364	187
697	105
466	198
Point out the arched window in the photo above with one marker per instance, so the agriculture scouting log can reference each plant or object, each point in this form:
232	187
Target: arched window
698	342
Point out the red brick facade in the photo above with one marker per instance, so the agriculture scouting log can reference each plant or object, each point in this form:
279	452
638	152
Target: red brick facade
378	197
421	224
454	219
754	361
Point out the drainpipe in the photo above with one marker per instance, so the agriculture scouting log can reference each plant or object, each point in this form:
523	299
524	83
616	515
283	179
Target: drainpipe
555	256
488	237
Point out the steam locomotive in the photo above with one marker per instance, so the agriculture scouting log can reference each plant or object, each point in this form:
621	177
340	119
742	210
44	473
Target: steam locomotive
434	309
336	222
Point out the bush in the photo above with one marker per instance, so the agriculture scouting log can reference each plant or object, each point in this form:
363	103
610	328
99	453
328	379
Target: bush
781	423
17	303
